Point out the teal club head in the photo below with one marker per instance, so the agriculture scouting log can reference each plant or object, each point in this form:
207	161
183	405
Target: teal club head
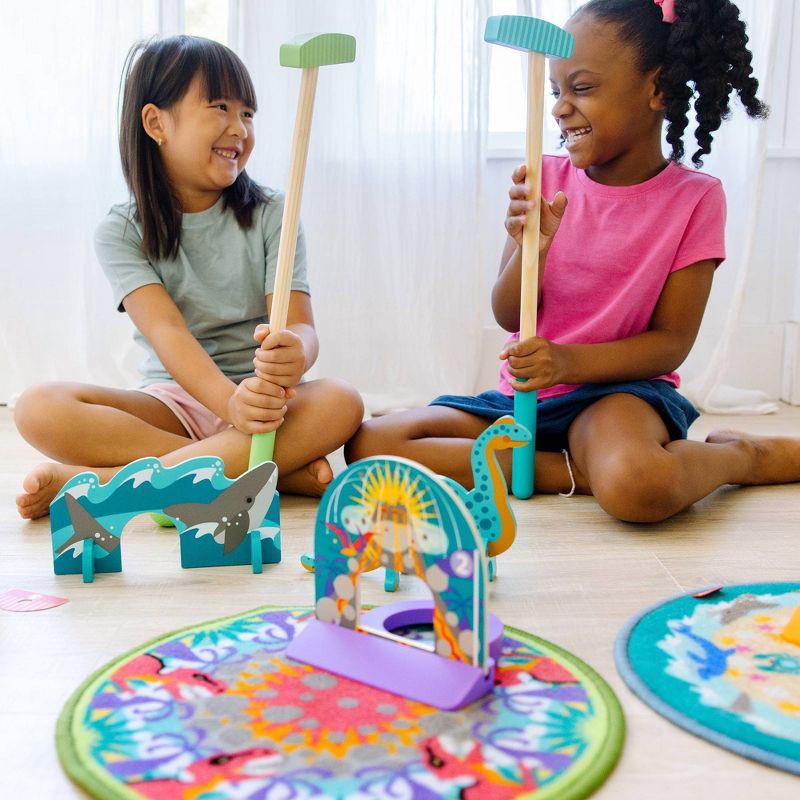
529	34
318	50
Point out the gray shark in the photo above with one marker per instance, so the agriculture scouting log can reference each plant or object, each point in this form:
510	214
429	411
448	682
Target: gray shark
86	527
236	511
741	607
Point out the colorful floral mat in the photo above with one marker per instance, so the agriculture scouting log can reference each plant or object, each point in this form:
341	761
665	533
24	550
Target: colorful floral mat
218	711
717	666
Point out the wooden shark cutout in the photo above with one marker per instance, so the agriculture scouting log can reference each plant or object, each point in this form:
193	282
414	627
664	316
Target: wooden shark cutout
235	511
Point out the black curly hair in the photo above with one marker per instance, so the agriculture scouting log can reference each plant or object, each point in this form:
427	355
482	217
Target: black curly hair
703	54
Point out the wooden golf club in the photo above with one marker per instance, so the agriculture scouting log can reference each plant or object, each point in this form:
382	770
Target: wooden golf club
538	38
308	53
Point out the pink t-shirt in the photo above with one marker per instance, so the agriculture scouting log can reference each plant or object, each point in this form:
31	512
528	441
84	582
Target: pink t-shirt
614	250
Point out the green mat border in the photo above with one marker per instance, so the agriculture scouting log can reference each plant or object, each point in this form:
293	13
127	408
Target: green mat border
581	780
584	779
642	688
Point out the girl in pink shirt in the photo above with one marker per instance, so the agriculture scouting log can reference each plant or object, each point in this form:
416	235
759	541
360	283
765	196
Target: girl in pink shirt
628	248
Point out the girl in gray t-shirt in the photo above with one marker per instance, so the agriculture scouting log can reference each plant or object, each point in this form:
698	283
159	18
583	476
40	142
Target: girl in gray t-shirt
191	259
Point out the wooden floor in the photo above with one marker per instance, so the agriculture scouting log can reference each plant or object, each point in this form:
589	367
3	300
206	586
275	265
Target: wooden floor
574	576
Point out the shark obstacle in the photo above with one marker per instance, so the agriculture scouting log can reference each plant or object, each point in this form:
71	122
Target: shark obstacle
221	522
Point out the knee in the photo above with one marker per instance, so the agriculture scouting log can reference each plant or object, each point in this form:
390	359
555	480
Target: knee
35	408
365	442
345	404
640	489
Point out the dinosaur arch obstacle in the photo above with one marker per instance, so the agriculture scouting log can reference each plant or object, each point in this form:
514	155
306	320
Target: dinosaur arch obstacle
394	513
487	503
221	522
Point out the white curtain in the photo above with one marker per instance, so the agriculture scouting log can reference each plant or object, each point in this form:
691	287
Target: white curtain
392	190
59	174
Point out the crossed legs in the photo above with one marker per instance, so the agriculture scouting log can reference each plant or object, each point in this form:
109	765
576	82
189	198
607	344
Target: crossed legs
85	427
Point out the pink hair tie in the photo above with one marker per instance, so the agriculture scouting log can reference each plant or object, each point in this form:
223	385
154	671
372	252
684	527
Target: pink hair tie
667	10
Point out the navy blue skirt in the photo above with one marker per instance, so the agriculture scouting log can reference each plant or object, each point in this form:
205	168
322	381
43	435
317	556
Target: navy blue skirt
554	415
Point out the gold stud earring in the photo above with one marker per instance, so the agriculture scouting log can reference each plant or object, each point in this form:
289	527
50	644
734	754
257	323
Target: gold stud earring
158	141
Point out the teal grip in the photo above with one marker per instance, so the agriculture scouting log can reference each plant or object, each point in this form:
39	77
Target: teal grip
262	446
87	561
522	459
255	552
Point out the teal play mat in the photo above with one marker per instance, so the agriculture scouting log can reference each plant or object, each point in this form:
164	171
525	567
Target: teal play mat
217	711
718	666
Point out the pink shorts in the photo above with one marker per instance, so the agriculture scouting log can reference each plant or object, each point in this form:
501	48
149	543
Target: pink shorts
200	423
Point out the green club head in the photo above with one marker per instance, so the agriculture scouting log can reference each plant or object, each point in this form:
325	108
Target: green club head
529	34
318	50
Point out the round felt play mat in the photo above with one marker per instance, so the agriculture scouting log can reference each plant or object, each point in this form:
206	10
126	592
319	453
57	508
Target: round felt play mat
716	664
218	711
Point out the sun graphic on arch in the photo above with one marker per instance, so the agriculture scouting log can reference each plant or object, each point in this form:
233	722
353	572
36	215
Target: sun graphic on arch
389	493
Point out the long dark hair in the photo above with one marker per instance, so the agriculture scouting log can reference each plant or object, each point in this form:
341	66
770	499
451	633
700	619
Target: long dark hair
159	71
703	54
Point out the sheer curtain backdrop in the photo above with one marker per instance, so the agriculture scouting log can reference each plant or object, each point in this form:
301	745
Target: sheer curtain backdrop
59	174
392	191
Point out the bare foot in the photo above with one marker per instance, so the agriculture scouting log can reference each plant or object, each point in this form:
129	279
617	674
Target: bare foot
771	459
41	485
311	480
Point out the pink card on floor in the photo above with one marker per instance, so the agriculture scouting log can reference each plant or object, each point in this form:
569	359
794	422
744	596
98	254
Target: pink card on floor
707	592
22	600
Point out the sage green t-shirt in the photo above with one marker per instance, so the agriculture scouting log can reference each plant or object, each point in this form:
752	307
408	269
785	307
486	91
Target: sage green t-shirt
218	280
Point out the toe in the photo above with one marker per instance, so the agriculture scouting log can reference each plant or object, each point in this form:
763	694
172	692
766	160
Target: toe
322	471
31	483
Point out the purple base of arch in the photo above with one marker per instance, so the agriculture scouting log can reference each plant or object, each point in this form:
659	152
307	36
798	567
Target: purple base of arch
384	664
